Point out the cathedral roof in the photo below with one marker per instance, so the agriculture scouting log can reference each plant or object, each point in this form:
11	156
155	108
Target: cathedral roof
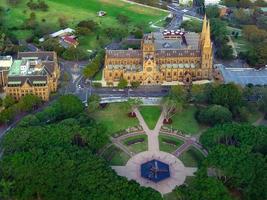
124	53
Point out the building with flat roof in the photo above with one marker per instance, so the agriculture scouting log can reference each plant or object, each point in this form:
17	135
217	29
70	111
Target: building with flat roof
5	64
168	56
33	73
243	76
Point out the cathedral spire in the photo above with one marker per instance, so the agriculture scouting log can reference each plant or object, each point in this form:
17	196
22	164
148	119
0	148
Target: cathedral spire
204	29
207	42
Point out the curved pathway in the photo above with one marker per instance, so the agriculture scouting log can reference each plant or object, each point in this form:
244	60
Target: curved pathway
177	169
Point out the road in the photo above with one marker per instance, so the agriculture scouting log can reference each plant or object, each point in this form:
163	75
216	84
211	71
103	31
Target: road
142	91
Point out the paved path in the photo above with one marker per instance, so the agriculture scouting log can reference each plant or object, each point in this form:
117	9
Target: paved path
184	147
177	169
153	139
121	146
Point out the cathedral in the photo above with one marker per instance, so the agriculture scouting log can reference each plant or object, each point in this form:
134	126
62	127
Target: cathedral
168	56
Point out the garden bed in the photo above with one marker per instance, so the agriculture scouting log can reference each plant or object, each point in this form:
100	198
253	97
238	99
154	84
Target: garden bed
169	143
137	143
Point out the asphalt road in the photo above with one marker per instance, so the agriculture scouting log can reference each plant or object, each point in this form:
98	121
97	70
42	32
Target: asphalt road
142	91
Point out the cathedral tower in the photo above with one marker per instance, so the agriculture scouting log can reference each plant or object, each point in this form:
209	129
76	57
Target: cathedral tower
206	50
149	60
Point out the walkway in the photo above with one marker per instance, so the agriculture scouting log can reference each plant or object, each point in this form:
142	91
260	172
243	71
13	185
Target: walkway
177	169
153	141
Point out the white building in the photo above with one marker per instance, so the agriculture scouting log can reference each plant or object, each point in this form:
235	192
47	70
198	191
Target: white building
59	33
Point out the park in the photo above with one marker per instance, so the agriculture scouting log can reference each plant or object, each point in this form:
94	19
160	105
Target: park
134	141
71	13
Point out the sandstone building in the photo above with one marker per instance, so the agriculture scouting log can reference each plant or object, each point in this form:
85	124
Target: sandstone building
33	73
5	64
164	57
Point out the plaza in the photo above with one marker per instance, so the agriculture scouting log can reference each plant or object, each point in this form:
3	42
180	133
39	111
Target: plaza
154	168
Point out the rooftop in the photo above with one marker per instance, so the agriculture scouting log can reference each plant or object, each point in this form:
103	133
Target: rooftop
264	9
15	68
5	58
176	40
244	76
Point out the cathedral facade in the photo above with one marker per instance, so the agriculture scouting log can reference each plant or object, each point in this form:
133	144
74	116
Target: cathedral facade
166	56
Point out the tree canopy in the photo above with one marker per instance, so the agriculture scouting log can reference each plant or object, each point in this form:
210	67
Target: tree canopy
237	153
228	95
215	114
60	161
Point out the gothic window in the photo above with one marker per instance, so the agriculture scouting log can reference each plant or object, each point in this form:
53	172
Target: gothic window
181	73
110	74
175	74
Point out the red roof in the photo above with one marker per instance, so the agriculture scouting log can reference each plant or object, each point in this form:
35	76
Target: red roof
70	40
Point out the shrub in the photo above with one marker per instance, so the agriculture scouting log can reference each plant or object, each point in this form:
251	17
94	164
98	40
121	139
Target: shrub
215	114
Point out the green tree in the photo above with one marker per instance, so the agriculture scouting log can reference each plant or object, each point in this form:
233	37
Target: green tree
58	161
93	102
89	24
228	95
123	19
138	33
123	83
235	153
68	106
192	25
8	114
178	93
92	68
8	101
29	120
135	84
75	54
214	115
212	11
52	44
29	102
203	187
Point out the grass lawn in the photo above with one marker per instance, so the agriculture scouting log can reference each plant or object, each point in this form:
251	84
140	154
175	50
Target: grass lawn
189	179
75	11
115	156
168	143
138	146
114	117
171	196
241	44
150	114
254	116
98	75
185	121
192	157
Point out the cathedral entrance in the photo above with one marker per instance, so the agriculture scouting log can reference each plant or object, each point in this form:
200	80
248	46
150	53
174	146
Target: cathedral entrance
187	79
149	81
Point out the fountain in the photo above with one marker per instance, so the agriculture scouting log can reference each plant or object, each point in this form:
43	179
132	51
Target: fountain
155	171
